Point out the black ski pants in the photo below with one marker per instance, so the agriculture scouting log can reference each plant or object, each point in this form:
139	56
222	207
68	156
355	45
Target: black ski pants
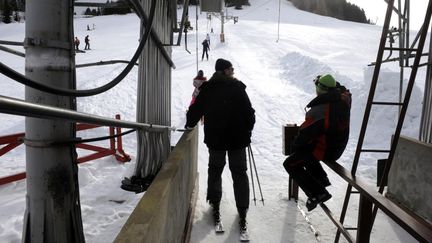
306	171
238	167
205	51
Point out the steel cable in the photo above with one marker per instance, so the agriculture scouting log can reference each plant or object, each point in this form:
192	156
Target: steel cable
90	92
88	140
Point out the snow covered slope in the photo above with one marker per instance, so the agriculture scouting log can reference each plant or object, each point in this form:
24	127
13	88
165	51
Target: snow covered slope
278	73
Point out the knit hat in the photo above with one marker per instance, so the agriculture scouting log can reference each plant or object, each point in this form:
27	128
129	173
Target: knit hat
324	83
200	73
222	64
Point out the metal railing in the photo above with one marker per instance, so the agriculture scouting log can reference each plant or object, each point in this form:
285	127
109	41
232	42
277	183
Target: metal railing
23	108
12	141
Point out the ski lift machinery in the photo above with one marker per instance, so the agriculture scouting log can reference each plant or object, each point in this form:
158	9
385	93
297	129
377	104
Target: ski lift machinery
213	6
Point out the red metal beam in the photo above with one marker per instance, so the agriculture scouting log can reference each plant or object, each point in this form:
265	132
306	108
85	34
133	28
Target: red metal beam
116	149
84	126
12	178
94	156
93	148
11	138
9	147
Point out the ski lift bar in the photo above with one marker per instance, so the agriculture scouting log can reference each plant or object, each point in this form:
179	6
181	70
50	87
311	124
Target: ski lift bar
2	48
11	43
23	108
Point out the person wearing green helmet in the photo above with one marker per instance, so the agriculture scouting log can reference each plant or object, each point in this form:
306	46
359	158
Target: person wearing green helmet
322	137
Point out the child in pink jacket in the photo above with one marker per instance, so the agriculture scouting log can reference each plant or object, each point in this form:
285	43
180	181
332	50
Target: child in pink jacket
197	81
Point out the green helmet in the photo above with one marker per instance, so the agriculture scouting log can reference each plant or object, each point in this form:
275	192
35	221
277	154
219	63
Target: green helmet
324	82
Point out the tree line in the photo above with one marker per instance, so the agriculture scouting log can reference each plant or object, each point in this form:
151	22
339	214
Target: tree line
339	9
13	10
111	7
10	10
228	3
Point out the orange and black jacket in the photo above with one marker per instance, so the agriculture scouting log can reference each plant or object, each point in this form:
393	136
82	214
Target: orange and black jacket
325	131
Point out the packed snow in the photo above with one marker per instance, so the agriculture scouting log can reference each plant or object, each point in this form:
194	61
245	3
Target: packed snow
278	69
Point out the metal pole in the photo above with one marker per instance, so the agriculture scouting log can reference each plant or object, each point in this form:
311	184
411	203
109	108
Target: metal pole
53	212
196	36
278	21
401	32
12	51
425	134
18	107
251	174
222	35
256	173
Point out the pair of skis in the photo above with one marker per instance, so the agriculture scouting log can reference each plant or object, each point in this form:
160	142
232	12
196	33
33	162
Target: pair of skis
244	233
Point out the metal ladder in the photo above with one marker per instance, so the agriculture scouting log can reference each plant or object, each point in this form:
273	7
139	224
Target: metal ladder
404	54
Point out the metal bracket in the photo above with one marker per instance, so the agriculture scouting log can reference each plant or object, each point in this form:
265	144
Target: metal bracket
47	43
49	143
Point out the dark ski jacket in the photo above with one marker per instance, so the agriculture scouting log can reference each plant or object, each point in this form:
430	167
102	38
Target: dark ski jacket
325	131
206	45
228	114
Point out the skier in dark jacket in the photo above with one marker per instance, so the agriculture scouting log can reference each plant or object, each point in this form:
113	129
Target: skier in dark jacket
229	120
206	48
87	43
322	137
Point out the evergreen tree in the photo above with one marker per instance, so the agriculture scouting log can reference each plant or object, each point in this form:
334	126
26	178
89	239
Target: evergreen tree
88	12
7	13
237	3
21	5
340	9
17	17
119	7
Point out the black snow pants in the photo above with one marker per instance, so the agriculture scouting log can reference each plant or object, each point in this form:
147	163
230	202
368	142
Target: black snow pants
205	51
306	171
238	168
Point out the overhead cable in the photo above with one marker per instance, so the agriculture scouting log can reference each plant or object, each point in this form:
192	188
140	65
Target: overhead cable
83	93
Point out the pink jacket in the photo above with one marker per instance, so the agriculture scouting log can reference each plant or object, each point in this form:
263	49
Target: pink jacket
197	83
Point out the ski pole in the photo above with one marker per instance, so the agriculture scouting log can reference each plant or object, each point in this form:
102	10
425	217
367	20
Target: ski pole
251	172
256	173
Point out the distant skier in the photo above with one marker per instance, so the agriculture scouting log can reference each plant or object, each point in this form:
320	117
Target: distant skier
323	136
208	38
87	43
76	43
206	48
